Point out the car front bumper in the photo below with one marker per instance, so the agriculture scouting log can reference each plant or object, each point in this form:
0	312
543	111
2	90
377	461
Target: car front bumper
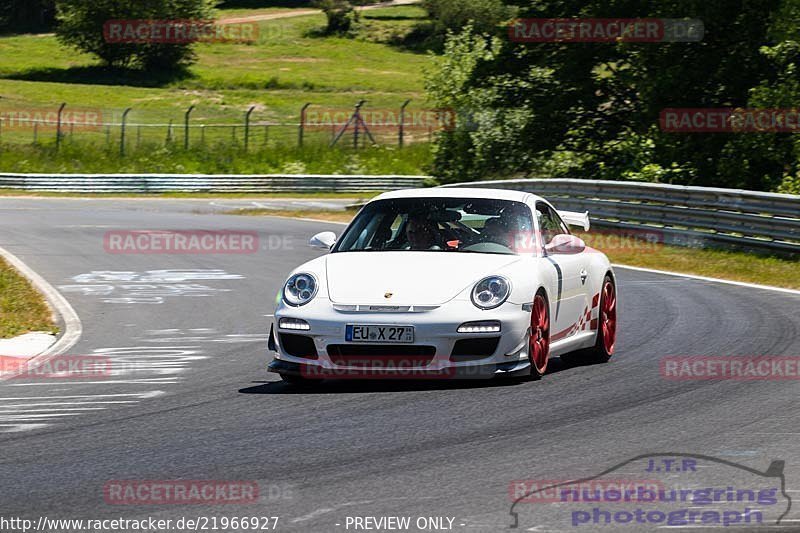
435	330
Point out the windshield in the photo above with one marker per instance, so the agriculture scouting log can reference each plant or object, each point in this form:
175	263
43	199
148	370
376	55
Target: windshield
475	225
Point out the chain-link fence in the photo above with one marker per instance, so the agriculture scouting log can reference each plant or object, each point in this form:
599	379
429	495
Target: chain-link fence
131	129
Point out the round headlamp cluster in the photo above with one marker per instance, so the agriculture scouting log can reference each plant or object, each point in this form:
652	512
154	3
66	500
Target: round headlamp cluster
300	289
491	292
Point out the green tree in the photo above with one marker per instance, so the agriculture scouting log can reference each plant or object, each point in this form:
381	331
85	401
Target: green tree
24	16
342	15
592	109
81	25
454	15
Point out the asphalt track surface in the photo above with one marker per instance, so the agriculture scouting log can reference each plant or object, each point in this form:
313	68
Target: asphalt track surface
193	400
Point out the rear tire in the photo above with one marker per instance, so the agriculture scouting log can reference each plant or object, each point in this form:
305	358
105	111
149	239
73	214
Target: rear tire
606	341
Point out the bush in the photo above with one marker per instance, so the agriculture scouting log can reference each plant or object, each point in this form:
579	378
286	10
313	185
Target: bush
81	24
342	16
790	185
454	15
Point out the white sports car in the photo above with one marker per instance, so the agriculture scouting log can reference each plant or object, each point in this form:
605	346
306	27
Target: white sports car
446	283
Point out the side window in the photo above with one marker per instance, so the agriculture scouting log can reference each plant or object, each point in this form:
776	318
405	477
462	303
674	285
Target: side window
550	223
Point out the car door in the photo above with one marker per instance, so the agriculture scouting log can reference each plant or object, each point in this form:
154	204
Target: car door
571	300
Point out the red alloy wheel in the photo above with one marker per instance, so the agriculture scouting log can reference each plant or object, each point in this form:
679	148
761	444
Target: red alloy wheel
540	335
608	316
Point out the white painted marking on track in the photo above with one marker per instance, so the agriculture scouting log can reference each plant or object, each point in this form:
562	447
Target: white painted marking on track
149	287
145	381
13	418
142	395
38	412
127	365
212	336
83	226
19	428
59	410
155	276
37	404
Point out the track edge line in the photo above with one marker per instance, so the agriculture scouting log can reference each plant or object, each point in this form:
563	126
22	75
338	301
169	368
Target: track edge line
73	328
713	280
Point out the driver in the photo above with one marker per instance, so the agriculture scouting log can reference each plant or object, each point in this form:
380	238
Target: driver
422	233
511	229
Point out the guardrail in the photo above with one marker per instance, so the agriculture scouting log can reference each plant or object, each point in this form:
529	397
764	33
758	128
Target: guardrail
213	183
686	216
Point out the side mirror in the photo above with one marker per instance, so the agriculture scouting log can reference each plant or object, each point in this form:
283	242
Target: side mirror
565	244
324	240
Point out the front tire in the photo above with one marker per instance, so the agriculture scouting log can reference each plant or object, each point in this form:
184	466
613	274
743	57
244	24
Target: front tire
291	379
539	339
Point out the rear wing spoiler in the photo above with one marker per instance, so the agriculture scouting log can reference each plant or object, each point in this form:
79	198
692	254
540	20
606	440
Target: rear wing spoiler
573	218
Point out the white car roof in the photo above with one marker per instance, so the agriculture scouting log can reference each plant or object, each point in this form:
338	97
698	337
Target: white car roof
459	192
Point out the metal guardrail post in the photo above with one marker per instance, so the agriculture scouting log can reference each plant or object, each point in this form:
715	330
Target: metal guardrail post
58	125
401	137
247	127
122	132
301	132
186	127
357	122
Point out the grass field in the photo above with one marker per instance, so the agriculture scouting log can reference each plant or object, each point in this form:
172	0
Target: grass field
736	266
289	66
317	158
286	68
22	308
236	12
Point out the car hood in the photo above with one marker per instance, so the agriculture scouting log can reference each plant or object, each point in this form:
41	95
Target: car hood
412	278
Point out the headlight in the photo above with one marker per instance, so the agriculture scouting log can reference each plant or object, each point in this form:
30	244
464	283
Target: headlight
491	292
300	289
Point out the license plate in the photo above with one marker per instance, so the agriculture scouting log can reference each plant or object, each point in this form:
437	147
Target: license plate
379	334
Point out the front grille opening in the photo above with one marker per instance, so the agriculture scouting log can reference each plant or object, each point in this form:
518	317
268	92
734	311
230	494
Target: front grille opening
381	356
298	345
474	349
